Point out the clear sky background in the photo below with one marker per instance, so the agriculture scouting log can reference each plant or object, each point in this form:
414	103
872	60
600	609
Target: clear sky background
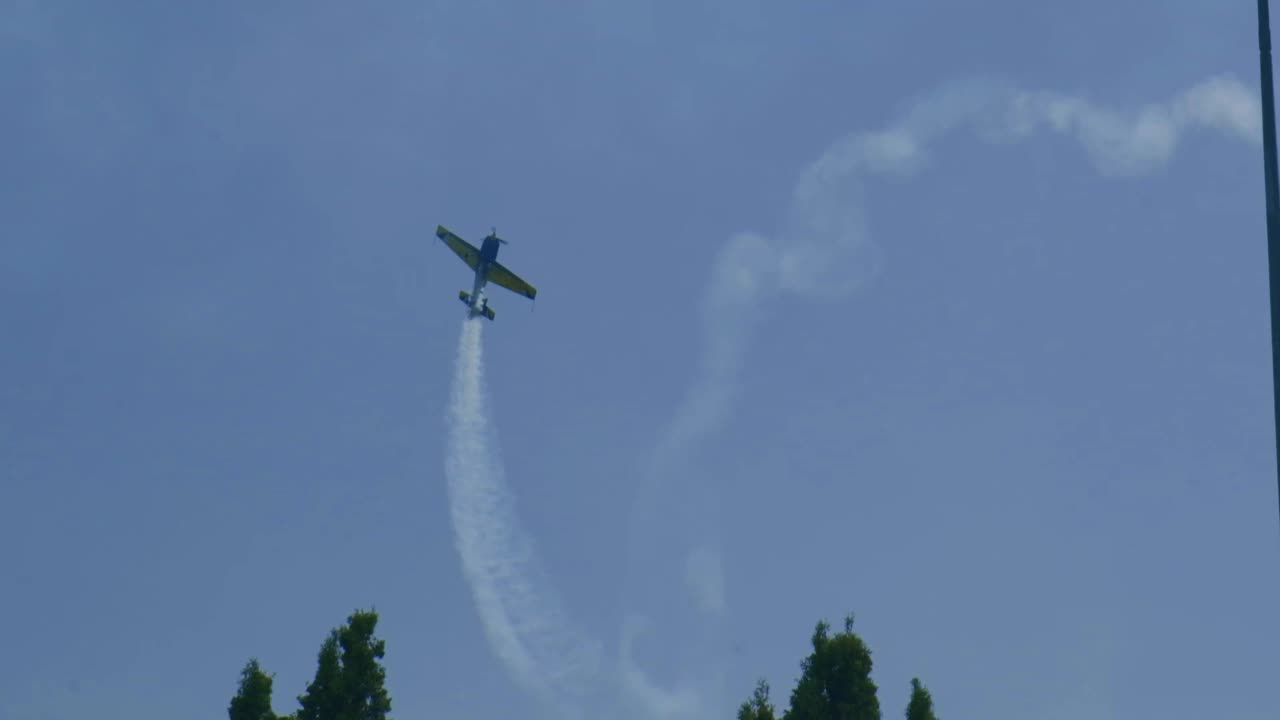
1031	448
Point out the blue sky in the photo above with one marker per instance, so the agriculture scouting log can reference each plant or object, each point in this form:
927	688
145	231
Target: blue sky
1031	448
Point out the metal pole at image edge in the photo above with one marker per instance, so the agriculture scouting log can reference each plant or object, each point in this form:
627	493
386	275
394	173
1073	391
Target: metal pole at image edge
1273	207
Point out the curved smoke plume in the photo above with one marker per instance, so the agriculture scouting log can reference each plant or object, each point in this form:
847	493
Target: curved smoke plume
823	251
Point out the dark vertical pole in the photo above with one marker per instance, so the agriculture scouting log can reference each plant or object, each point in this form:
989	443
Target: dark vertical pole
1273	206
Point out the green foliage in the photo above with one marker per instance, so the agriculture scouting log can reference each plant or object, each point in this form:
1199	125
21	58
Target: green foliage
323	699
835	681
921	705
363	677
349	683
834	684
758	707
349	680
252	700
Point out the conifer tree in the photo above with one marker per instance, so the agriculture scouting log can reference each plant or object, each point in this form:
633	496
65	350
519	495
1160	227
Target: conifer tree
323	698
921	705
758	707
350	681
252	700
363	677
835	681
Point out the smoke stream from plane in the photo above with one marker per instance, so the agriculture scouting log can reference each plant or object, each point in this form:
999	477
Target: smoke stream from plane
823	251
520	614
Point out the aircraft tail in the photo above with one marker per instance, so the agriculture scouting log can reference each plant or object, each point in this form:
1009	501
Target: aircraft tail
484	308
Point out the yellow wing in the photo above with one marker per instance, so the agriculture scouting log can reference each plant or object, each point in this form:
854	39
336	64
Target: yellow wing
463	249
499	275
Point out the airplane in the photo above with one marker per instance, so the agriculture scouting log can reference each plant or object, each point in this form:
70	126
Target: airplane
487	269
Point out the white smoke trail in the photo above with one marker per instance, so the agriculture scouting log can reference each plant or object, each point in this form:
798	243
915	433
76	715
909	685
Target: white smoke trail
521	618
823	251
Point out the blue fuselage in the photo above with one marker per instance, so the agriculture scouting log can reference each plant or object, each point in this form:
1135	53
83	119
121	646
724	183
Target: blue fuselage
489	249
488	254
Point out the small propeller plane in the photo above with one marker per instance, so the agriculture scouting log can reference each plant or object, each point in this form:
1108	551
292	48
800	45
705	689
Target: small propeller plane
487	268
